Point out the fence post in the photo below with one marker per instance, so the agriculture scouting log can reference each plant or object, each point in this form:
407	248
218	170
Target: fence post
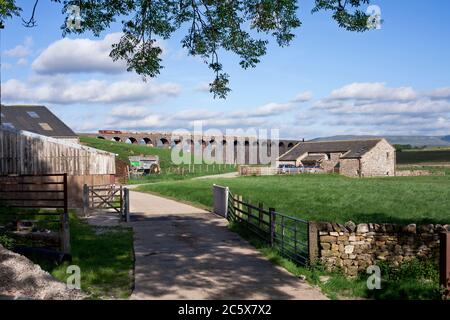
85	199
260	213
126	199
65	227
121	200
445	263
241	206
313	242
272	215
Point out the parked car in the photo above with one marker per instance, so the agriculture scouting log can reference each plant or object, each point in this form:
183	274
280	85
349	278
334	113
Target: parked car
289	168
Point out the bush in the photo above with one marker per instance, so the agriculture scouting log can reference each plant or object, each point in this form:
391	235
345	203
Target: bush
7	242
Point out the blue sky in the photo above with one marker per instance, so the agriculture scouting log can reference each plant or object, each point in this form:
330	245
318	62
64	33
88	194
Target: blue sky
329	81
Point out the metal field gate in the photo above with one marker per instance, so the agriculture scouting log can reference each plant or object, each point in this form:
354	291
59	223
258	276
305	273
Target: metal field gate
288	235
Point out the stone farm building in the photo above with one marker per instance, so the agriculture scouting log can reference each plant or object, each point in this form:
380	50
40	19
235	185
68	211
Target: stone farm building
354	158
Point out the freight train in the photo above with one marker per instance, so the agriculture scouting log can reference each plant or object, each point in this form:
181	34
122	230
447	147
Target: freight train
110	131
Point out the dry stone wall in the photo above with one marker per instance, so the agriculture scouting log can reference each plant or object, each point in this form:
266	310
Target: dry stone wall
352	248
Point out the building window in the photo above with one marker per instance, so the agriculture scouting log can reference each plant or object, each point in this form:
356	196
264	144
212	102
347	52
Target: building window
33	114
8	125
46	126
387	155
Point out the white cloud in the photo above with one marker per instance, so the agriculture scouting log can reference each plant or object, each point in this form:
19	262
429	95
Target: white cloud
267	110
196	114
81	56
21	50
363	107
129	112
373	91
62	90
203	87
441	93
22	62
303	97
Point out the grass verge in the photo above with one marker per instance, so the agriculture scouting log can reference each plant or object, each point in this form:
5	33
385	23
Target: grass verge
105	257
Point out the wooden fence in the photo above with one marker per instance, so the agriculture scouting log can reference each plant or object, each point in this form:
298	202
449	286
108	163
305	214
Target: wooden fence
110	198
46	192
23	152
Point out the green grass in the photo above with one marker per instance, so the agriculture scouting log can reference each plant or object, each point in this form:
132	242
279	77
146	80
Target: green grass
105	259
125	150
169	171
414	280
330	197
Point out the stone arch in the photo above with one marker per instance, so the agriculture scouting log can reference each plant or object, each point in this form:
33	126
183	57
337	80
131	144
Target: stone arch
147	141
290	145
101	137
132	140
163	142
117	139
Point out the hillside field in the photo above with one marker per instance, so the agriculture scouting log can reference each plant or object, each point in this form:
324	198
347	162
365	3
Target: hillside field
330	197
169	171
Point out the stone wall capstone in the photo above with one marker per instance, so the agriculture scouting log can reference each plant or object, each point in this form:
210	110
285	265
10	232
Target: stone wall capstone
353	247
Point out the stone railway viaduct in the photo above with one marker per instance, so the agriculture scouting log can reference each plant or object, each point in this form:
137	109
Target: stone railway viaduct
161	139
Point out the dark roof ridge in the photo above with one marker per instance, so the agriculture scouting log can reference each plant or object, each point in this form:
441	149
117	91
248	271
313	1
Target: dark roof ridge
334	141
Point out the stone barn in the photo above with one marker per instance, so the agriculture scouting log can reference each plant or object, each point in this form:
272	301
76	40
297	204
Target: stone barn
353	158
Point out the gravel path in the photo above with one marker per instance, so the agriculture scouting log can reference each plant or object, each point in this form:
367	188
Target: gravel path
22	279
183	252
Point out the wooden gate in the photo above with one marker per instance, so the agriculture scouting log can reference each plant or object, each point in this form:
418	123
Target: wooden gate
110	198
35	207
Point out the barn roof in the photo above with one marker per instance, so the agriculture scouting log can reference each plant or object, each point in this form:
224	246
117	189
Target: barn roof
36	119
349	149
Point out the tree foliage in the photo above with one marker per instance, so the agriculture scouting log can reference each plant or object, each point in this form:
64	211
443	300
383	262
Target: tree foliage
242	27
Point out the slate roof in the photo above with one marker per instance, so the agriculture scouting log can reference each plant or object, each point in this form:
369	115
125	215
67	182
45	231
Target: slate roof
313	158
349	149
36	119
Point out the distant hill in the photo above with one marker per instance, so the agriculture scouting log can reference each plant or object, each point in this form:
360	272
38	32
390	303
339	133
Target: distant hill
429	141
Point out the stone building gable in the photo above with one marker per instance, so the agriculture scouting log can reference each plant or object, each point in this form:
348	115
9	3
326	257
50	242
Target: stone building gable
379	161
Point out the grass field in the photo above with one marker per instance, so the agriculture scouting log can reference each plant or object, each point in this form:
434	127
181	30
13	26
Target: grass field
330	197
169	171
